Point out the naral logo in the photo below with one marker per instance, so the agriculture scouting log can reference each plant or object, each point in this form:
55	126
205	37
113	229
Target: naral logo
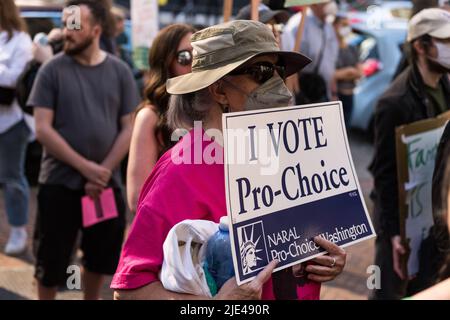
251	244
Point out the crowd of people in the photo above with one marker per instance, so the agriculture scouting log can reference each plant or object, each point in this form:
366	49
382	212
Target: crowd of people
89	113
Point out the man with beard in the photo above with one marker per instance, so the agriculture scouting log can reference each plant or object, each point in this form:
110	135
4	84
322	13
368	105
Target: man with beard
83	101
421	91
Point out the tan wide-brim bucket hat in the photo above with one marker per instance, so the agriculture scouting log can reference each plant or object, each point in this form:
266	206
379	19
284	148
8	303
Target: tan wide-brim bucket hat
220	49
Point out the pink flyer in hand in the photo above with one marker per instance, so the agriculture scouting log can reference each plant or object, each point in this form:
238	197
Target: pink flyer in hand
101	209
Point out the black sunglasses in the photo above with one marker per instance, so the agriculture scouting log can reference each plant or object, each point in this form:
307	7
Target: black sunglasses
184	57
261	71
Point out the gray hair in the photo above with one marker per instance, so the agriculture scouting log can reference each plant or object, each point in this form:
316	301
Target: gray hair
186	108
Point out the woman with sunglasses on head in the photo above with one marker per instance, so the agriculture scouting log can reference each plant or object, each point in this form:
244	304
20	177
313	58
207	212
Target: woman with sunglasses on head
236	66
170	56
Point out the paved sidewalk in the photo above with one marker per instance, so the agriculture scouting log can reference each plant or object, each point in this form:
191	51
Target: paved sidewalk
16	274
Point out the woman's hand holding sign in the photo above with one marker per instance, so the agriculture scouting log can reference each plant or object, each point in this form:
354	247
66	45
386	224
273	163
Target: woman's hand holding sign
328	266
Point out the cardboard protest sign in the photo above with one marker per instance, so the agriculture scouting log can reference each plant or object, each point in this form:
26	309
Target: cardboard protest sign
416	147
144	17
289	177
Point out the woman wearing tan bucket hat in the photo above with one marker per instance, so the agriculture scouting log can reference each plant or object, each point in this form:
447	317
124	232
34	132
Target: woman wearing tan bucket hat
237	66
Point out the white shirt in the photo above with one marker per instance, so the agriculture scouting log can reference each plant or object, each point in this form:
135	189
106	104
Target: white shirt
317	36
290	32
14	56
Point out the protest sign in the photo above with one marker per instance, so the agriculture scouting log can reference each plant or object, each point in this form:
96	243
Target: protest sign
290	177
416	148
144	17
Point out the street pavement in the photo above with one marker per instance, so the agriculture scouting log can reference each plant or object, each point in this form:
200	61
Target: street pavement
16	273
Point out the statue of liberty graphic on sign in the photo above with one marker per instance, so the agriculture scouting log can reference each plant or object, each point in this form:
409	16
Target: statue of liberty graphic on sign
248	249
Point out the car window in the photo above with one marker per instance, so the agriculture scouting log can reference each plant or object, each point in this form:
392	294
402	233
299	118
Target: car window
369	55
367	46
368	49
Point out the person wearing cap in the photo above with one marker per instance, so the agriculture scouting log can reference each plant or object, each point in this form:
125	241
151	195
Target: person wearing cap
275	19
420	92
236	66
266	15
417	6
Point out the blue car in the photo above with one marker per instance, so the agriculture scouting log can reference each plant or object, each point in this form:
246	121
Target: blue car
380	54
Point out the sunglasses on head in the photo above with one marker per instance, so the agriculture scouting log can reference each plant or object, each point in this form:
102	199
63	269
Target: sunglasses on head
184	57
261	71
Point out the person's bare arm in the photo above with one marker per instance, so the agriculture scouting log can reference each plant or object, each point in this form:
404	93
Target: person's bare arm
115	155
360	70
441	291
121	144
143	154
229	291
346	74
55	144
154	291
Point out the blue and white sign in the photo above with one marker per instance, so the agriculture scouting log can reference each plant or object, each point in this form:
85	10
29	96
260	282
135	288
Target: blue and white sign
290	177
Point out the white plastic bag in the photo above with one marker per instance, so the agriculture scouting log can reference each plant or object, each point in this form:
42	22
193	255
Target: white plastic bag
184	251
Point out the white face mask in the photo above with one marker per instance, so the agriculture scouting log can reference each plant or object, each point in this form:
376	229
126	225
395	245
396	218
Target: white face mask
330	9
443	57
344	32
